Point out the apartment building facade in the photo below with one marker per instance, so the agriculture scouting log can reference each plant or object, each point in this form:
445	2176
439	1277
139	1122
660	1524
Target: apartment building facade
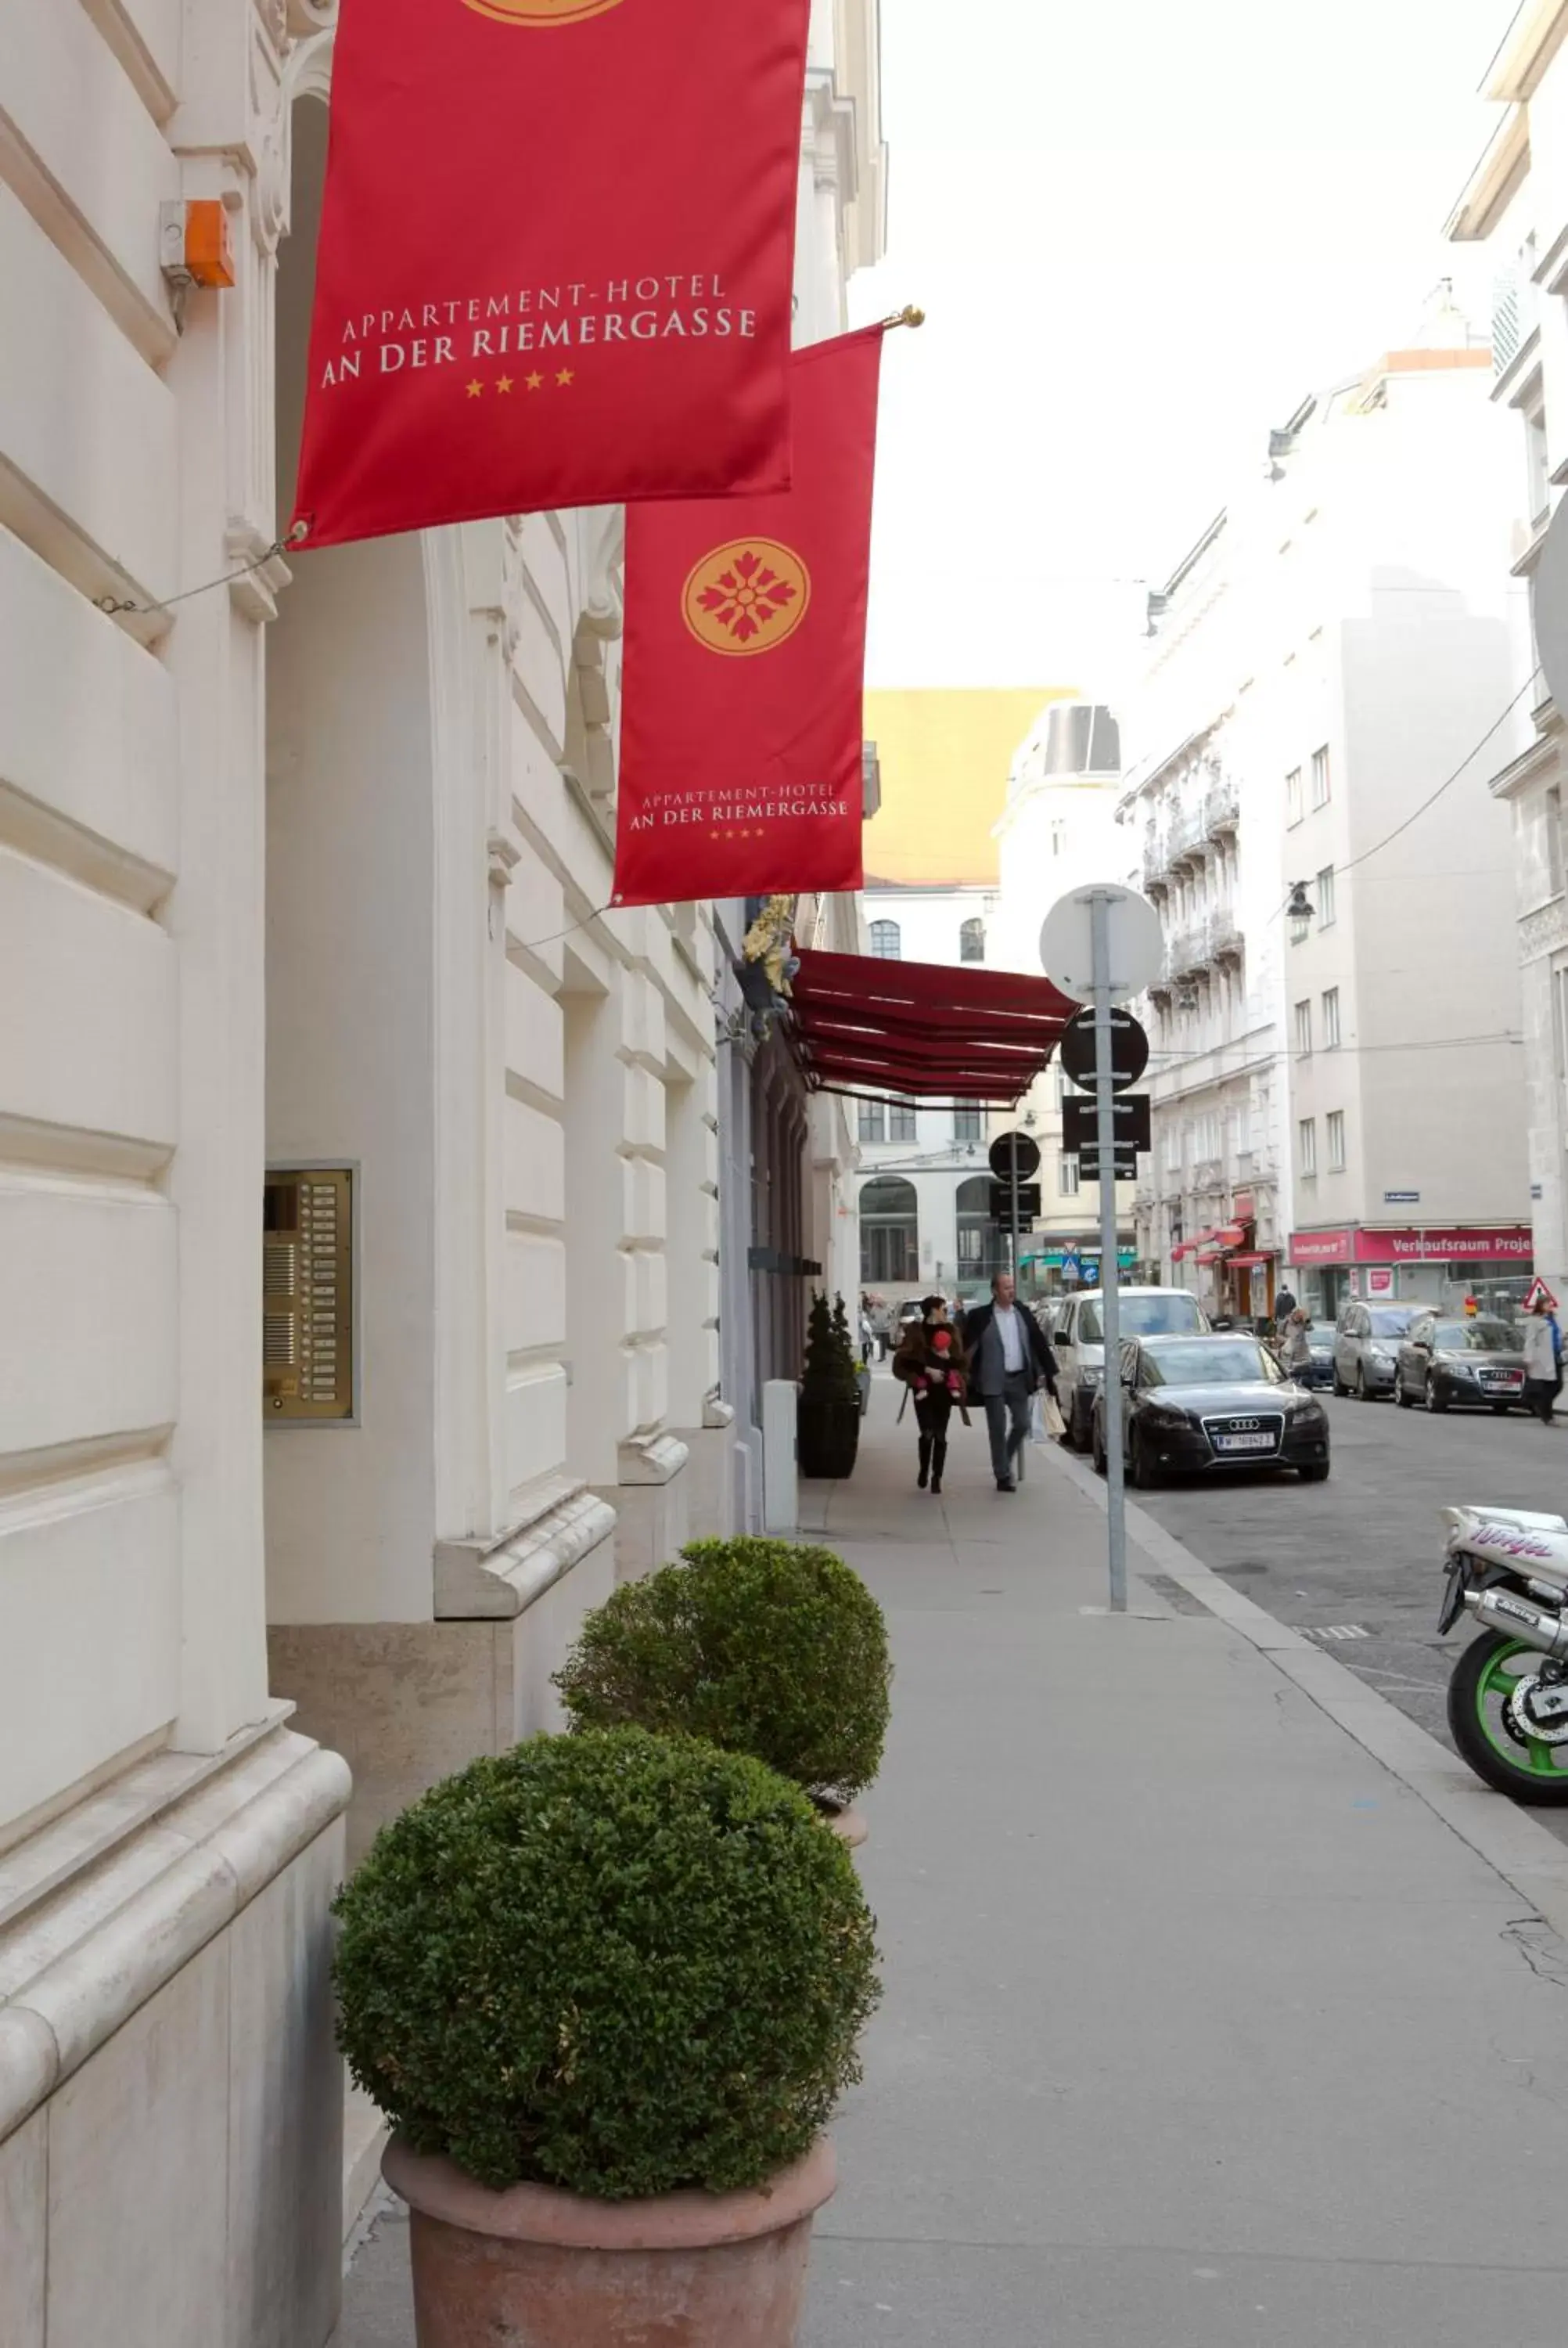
358	1173
1515	207
1346	641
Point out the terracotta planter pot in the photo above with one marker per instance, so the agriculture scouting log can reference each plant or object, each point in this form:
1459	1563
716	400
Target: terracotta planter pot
537	2268
846	1824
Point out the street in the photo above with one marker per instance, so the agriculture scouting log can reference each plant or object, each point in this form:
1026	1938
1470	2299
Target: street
1354	1562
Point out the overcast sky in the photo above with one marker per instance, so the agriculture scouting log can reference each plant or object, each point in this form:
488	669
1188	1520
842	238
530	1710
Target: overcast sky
1143	231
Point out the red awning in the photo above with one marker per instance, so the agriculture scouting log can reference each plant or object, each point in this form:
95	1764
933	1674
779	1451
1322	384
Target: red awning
1250	1262
1213	1255
921	1029
1183	1248
1230	1234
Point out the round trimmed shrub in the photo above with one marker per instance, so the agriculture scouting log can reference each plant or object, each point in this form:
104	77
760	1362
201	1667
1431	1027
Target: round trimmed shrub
614	1962
760	1646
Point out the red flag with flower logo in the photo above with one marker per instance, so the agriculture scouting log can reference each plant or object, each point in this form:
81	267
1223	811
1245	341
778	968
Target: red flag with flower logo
741	728
555	259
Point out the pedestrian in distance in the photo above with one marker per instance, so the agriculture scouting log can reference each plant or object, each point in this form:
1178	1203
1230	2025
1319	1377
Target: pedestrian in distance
1008	1359
1295	1351
1284	1306
1542	1376
933	1364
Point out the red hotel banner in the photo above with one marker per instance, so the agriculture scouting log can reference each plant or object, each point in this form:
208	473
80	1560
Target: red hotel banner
741	730
555	259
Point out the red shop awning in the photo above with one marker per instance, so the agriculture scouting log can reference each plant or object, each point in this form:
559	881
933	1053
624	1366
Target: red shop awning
921	1029
1230	1235
1250	1262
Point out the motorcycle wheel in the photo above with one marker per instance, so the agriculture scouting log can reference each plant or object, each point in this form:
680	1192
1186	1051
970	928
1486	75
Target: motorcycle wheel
1483	1681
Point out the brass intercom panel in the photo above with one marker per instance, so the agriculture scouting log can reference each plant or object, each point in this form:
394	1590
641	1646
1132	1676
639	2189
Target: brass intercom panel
307	1293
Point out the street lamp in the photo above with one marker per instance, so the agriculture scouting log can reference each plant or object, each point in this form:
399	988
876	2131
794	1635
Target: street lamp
1298	912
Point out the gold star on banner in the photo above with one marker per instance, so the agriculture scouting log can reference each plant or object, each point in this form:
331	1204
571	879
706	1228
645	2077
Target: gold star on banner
533	382
475	389
503	383
566	375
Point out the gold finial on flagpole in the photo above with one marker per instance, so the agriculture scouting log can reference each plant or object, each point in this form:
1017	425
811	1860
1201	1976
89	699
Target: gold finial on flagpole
908	316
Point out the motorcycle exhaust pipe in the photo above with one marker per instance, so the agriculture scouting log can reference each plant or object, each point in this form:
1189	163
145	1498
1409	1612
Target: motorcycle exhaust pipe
1535	1625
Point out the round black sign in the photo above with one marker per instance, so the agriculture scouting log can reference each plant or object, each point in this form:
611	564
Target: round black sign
1129	1050
1028	1155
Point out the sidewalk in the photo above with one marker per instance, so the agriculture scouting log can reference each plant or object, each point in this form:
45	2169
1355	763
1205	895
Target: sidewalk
1202	2030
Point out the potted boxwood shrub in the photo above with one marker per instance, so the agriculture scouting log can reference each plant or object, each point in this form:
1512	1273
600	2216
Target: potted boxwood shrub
607	1987
827	1414
769	1647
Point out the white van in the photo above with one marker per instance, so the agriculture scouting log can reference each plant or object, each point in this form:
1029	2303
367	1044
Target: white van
1077	1334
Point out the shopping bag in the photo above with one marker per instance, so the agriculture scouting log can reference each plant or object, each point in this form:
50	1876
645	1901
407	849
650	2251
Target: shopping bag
1046	1422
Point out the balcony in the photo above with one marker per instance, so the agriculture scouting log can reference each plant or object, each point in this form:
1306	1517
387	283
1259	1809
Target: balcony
1221	807
1223	934
1187	952
1156	859
1188	834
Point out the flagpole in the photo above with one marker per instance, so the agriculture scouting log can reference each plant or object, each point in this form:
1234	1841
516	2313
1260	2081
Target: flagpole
909	316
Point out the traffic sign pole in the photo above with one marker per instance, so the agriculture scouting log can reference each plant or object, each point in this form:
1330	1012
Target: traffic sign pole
1116	1502
1018	1301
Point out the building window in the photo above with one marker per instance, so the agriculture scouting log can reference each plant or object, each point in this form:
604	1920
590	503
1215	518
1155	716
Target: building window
969	1125
1304	1027
972	941
889	1232
1307	1137
1539	471
1320	776
1293	796
1067	1177
1173	1148
1325	898
1331	1018
900	1120
887	944
1336	1138
980	1249
872	1120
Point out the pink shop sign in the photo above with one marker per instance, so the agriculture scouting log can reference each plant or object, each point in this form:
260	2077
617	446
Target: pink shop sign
1513	1243
1320	1247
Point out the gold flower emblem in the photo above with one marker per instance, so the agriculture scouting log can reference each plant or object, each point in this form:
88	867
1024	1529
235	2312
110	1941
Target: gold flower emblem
540	12
746	597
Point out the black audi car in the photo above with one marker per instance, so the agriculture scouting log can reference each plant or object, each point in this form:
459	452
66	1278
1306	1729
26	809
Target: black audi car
1197	1406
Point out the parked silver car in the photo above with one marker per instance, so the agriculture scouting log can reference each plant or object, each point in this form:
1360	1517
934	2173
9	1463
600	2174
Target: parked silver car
1367	1347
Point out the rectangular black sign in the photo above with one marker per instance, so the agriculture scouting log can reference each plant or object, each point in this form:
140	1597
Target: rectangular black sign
1126	1165
1002	1200
1129	1116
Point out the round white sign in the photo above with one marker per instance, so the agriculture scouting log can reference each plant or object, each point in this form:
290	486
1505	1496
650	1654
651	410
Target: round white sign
1135	942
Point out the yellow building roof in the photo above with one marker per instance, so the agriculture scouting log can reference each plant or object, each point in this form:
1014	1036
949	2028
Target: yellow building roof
945	755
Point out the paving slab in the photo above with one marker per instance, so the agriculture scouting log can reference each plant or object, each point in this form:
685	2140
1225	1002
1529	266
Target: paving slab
1201	2025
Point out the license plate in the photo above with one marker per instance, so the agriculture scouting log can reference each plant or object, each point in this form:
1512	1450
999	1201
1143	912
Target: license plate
1453	1597
1501	1378
1244	1442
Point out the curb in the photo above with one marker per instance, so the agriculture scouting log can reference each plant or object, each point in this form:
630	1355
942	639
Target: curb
1510	1842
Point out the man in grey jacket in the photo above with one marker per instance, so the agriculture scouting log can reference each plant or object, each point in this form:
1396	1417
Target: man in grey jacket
1008	1358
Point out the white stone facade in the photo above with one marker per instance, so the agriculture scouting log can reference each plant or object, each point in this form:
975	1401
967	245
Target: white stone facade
1324	662
1058	832
1516	205
301	871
